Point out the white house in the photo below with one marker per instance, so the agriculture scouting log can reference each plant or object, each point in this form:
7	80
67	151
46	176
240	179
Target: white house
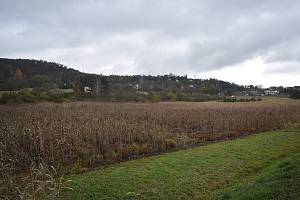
87	89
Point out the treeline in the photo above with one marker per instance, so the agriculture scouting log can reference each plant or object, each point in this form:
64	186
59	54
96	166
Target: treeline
295	94
56	95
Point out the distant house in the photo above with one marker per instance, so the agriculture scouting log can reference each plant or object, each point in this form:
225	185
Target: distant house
252	92
271	92
143	93
87	89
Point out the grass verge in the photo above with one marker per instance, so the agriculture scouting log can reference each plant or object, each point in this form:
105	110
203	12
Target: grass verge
279	181
259	167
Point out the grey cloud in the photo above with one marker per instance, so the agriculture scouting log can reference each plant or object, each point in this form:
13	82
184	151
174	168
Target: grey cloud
284	68
149	36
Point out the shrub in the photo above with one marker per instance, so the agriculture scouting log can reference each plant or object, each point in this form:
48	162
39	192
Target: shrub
23	96
31	96
154	98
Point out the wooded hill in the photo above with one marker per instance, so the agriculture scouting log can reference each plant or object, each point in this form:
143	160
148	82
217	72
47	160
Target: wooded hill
16	74
27	72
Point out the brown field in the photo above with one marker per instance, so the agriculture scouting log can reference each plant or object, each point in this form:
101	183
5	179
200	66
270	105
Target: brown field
90	134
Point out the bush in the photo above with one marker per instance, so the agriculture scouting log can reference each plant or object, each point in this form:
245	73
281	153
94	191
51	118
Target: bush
31	96
23	96
154	98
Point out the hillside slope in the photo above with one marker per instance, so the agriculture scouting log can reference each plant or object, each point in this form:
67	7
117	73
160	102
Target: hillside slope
267	165
16	74
20	73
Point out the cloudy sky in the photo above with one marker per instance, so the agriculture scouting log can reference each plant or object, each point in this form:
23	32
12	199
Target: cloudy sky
242	41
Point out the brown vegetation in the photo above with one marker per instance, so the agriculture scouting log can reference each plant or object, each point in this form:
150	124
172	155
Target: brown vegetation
41	182
84	135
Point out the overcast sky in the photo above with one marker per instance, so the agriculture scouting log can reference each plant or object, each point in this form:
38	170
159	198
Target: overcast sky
242	41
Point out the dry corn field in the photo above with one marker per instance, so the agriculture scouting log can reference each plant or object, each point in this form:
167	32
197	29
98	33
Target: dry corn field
94	134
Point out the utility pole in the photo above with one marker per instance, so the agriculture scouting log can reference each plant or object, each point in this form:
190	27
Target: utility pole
97	87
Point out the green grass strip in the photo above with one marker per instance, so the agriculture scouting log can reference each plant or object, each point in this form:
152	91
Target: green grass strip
240	165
